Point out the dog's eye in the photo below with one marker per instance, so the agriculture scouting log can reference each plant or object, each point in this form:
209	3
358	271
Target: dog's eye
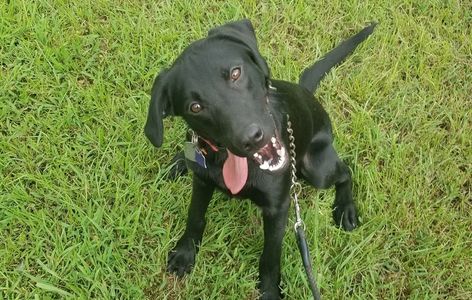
235	73
195	107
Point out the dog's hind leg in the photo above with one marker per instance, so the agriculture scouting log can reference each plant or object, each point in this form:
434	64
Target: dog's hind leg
322	168
344	209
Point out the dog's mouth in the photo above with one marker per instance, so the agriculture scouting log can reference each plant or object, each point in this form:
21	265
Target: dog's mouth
272	156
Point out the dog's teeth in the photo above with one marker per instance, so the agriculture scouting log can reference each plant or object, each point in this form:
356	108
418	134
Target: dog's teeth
281	152
275	168
272	164
257	156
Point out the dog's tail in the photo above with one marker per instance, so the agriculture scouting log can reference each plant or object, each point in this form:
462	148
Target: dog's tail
312	76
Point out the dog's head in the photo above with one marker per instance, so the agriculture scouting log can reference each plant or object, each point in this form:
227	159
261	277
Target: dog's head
219	86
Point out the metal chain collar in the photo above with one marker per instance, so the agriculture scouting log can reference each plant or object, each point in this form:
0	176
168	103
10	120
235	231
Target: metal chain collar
295	187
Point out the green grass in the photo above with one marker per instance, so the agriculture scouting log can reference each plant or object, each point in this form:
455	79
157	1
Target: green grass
85	211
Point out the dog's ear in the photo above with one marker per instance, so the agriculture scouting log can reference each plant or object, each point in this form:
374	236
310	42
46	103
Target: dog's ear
159	107
242	32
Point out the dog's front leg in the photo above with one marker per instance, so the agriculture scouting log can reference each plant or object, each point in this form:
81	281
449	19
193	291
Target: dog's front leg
275	220
182	257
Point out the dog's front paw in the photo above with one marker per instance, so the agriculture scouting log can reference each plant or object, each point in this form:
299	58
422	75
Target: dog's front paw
345	215
269	292
181	259
270	295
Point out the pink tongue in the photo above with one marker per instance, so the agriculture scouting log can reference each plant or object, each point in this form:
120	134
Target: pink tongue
235	172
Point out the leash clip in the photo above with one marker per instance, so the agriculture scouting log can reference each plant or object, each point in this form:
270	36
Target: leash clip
296	189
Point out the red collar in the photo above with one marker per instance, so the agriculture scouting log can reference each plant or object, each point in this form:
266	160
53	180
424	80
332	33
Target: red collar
213	147
235	168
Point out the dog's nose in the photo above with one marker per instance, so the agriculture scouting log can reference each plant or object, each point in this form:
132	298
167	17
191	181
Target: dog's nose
253	137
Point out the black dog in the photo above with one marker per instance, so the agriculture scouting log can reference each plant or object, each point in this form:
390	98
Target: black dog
221	87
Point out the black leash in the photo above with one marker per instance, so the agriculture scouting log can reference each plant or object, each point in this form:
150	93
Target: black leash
305	253
299	226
